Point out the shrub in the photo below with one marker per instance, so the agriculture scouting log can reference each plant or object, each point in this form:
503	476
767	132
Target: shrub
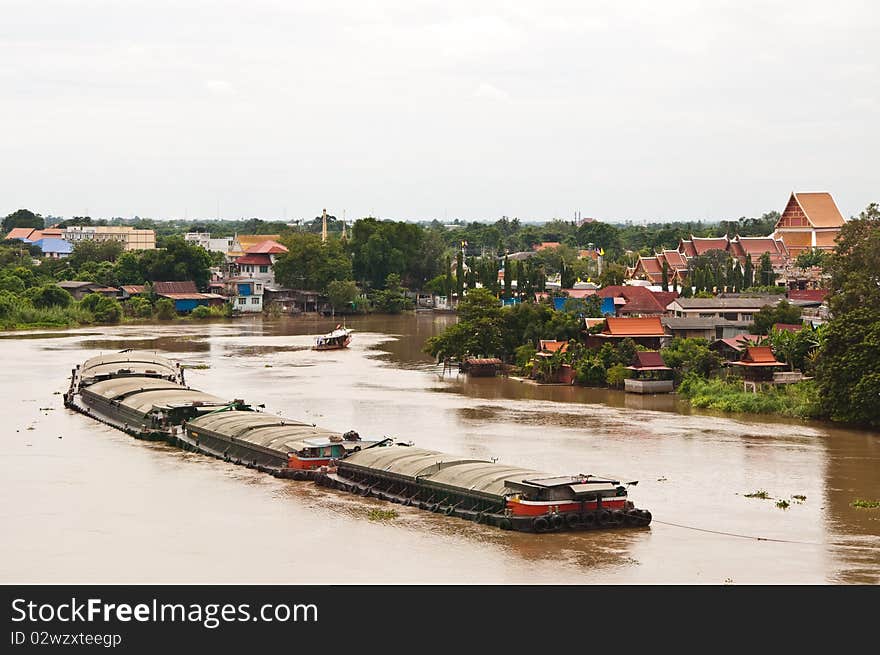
615	375
104	309
202	311
799	400
9	303
139	306
165	309
51	295
524	354
591	373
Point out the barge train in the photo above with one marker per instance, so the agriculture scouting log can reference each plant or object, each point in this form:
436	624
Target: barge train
145	395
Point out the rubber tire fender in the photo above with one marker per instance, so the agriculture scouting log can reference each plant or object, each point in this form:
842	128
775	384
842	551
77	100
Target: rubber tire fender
618	517
556	521
589	519
541	524
505	524
603	517
572	520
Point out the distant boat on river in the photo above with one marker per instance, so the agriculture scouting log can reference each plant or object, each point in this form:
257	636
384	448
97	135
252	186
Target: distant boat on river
336	340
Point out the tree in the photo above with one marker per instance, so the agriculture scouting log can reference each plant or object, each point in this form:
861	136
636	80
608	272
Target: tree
665	285
848	367
342	294
311	264
810	258
128	269
94	251
104	309
748	273
613	274
22	218
767	276
459	274
508	278
766	317
690	354
176	260
391	299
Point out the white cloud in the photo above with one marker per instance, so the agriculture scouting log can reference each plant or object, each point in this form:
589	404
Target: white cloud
219	87
491	92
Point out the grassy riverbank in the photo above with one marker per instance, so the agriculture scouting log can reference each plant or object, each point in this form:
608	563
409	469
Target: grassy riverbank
799	400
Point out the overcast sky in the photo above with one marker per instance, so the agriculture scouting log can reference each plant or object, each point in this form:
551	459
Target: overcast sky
419	110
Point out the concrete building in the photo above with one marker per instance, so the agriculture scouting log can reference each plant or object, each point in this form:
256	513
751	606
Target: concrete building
209	243
730	308
131	238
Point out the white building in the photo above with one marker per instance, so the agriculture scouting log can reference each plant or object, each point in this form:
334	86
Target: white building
216	244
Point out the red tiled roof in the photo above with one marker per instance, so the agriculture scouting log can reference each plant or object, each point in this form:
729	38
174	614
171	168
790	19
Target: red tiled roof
132	289
651	264
646	326
703	245
686	247
268	247
257	259
648	359
20	233
817	295
553	346
674	258
639	300
665	297
164	288
758	356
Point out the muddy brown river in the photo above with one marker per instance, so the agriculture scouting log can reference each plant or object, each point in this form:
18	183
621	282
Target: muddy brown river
81	502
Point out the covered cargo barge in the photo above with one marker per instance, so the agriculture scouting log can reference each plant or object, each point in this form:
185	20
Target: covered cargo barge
293	448
507	496
139	392
144	394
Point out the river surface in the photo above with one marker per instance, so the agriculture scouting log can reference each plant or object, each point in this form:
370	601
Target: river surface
83	503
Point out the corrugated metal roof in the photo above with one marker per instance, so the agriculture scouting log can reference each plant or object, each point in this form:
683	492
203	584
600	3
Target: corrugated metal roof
187	286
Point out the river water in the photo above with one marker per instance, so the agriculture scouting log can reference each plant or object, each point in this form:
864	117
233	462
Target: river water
81	502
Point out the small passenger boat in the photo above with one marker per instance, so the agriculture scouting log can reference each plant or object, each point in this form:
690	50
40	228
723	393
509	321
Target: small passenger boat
336	340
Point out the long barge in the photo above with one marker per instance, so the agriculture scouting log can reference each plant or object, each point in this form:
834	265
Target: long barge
145	395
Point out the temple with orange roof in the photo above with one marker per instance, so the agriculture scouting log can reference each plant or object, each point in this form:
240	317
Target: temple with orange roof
810	220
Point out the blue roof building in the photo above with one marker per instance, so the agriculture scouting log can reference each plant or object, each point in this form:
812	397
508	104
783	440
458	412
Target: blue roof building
54	248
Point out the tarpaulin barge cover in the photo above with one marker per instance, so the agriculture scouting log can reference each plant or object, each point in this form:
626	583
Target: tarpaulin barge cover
297	449
487	492
144	396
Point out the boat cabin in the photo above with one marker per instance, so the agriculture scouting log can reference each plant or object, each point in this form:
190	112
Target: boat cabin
317	452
